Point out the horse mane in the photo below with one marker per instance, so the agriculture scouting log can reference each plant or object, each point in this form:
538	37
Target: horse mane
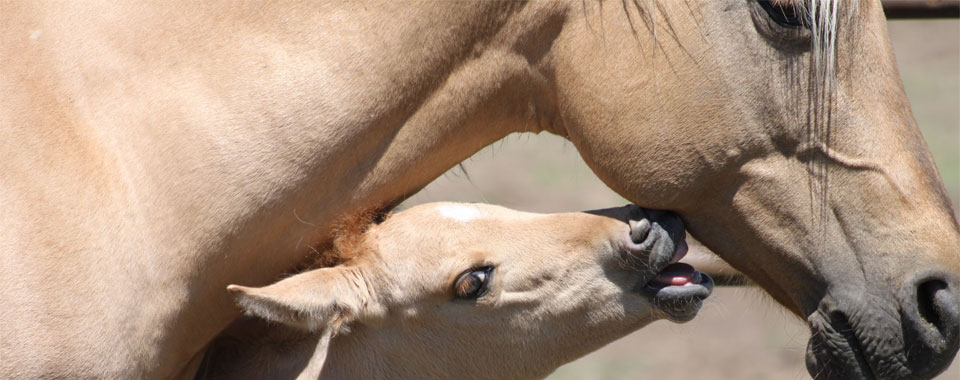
824	21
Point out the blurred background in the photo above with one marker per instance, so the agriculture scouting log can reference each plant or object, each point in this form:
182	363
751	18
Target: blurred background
740	332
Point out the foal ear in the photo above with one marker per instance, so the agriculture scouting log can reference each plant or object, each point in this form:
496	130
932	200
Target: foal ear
312	300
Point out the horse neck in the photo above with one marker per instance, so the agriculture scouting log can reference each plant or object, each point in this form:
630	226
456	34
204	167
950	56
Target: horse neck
296	156
230	172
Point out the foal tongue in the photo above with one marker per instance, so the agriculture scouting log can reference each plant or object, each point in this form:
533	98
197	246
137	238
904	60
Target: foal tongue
678	274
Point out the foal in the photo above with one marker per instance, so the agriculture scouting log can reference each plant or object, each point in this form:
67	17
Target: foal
468	291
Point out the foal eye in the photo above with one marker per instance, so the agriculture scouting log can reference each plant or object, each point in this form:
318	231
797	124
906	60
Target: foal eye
472	284
785	14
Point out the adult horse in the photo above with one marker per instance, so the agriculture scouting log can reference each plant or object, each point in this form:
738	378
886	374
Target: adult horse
155	153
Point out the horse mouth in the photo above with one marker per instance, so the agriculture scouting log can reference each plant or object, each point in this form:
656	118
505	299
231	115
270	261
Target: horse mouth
835	351
863	333
678	289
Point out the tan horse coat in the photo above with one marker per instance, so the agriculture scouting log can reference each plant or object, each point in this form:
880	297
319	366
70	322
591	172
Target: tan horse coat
154	153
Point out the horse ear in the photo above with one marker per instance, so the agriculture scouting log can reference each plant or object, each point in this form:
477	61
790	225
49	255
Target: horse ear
312	300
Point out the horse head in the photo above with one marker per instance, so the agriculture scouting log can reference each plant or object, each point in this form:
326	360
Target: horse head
781	132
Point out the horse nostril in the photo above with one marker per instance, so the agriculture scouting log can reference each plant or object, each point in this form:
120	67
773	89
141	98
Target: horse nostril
931	323
927	304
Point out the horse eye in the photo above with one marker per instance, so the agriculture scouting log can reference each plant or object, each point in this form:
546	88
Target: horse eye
785	14
472	284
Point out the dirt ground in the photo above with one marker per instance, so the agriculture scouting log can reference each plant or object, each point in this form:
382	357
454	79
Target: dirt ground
740	333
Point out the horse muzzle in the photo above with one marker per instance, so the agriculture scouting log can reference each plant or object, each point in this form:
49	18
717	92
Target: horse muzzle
861	334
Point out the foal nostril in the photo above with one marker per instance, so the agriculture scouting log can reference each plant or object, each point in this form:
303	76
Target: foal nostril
639	230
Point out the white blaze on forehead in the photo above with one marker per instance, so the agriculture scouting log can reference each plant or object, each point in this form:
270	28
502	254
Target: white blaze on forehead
459	213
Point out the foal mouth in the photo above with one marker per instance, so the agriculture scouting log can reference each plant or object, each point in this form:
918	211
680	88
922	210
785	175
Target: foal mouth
655	246
680	302
679	289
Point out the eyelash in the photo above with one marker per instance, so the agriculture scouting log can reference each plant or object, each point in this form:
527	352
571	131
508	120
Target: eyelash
482	274
786	15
